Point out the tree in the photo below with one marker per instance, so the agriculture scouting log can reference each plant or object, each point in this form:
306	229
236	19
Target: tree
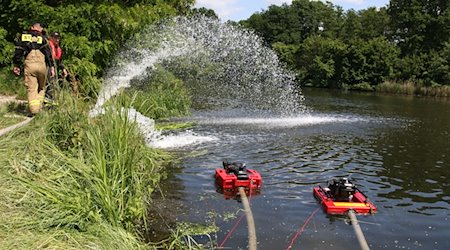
351	27
439	66
319	62
286	52
6	50
291	24
368	63
365	24
277	24
427	69
205	12
317	18
420	25
374	23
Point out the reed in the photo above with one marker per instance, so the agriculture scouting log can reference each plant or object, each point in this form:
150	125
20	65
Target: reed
412	88
393	87
434	91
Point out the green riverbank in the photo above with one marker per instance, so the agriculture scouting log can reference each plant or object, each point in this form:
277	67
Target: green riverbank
69	181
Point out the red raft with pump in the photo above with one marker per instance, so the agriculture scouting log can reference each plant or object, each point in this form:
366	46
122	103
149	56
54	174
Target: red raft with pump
235	175
341	196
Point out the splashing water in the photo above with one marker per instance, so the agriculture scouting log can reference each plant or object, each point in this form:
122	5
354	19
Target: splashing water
155	139
222	64
228	65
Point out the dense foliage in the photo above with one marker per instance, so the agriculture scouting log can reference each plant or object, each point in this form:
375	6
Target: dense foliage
406	41
91	31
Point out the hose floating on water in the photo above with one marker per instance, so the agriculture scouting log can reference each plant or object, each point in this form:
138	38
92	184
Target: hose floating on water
359	233
250	221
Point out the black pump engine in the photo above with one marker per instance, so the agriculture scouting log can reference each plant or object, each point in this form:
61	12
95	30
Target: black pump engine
341	189
237	168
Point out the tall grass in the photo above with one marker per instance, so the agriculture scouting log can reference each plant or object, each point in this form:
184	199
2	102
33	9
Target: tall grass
65	176
404	88
67	123
68	181
126	170
412	88
160	96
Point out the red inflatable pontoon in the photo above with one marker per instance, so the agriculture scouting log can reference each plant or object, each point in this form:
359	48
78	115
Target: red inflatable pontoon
341	196
235	175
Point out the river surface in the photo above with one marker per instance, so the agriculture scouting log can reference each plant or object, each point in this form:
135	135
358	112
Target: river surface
396	149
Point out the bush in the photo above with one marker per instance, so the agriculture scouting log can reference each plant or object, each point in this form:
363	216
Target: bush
161	96
7	49
368	62
11	84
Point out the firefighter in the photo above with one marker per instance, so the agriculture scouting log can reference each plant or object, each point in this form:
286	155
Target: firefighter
33	46
60	69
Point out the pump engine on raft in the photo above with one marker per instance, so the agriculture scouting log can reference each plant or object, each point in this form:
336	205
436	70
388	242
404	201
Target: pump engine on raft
234	175
341	195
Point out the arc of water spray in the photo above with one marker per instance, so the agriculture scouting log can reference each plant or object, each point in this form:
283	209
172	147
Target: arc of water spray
242	67
121	77
249	71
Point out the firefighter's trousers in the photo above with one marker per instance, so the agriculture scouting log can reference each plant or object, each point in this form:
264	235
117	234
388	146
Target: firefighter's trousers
35	79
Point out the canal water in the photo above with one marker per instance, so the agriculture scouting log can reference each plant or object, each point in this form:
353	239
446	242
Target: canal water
396	149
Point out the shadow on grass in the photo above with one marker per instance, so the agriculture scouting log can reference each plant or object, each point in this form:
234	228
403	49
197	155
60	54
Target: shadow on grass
12	113
17	108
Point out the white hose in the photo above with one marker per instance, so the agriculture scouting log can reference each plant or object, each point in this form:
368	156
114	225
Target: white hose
359	233
18	125
250	221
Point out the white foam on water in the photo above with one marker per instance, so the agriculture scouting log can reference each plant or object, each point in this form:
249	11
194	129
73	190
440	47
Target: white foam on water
279	122
180	140
154	138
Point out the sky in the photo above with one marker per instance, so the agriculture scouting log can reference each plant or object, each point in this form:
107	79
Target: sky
237	10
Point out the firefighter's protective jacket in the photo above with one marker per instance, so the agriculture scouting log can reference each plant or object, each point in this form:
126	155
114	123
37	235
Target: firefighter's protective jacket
28	41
